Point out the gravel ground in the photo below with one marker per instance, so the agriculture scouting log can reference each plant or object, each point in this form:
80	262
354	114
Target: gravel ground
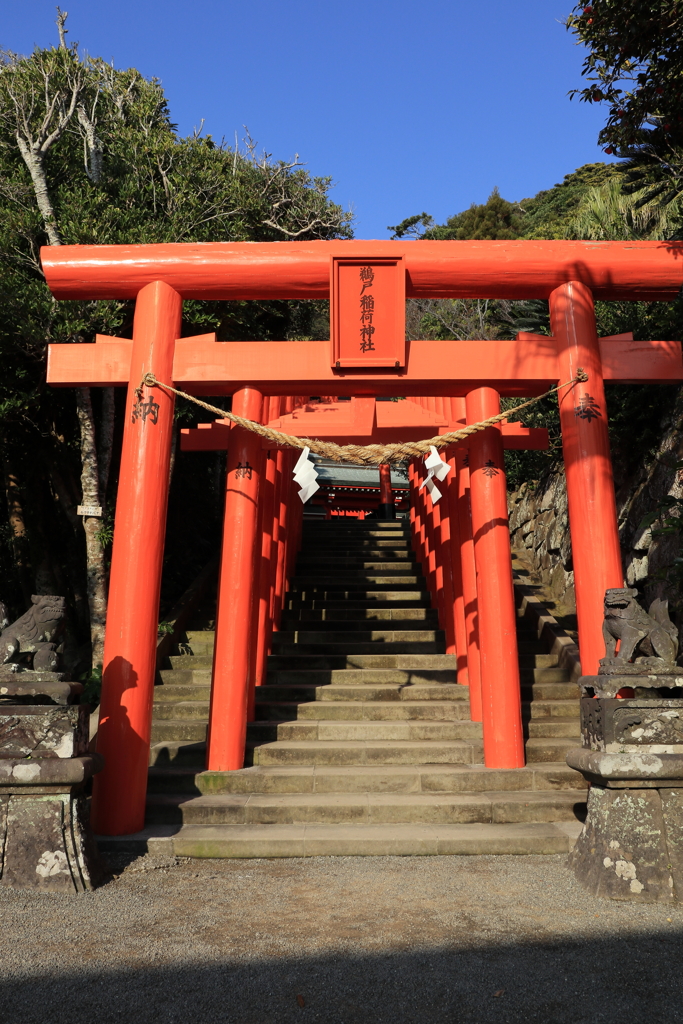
339	940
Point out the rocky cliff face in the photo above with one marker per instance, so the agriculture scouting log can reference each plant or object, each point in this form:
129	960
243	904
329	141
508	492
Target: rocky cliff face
539	524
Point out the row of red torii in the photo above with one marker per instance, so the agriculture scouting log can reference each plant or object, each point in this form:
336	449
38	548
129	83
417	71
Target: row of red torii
463	541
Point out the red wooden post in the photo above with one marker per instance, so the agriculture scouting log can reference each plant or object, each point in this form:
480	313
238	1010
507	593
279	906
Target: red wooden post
501	701
436	558
412	510
257	628
283	530
421	520
295	517
458	415
231	660
386	508
278	456
596	555
455	562
469	585
443	541
123	737
268	561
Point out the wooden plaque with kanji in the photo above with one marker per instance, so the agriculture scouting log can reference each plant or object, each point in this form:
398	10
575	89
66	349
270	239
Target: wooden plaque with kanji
367	313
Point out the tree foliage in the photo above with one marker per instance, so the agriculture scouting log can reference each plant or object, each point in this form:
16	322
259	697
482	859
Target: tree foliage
634	65
89	154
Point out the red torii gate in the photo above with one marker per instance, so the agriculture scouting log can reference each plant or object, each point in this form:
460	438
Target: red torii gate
365	421
569	274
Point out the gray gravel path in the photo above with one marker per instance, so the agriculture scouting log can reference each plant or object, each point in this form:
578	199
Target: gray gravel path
342	940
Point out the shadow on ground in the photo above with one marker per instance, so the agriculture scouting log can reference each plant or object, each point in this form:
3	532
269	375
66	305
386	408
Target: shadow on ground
620	981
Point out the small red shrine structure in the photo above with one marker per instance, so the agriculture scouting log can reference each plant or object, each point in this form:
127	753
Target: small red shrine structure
463	541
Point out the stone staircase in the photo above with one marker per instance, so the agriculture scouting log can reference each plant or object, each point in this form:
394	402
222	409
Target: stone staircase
362	742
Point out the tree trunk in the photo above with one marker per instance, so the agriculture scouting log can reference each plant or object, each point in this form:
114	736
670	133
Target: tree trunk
106	440
18	532
36	169
96	570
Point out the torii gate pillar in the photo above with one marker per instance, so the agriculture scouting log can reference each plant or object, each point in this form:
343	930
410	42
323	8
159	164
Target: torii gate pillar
123	736
500	691
596	555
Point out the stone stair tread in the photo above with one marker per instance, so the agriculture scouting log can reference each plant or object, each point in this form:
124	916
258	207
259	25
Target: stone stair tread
413	660
305	730
412	778
325	636
378	623
308	840
369	751
369	808
373	711
368	647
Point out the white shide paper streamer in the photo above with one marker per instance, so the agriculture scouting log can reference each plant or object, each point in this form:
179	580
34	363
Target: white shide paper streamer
306	476
436	467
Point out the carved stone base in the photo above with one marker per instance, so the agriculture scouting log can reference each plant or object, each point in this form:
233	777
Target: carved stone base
46	843
631	846
45	839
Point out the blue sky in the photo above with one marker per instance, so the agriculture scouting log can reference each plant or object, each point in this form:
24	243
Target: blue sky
408	106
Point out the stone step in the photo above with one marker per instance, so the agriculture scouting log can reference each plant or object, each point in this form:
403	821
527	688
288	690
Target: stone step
413	662
554	708
173	780
365	808
536	650
529	675
379	623
384	711
253	841
313	561
360	528
187	668
172	691
419	778
554	727
178	753
359	752
551	691
336	634
319	617
340	730
182	730
378	692
348	581
200	635
371	548
276	711
361	676
398	647
360	599
551	749
181	710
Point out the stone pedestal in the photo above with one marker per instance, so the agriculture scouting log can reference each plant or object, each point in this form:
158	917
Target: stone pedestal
45	840
631	846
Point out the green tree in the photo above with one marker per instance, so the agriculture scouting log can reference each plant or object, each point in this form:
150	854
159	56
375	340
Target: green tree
496	218
634	65
89	154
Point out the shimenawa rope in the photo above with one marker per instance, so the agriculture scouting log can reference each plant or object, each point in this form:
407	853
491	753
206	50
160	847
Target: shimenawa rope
366	455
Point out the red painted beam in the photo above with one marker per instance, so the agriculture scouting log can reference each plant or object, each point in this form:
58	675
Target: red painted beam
301	270
525	367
